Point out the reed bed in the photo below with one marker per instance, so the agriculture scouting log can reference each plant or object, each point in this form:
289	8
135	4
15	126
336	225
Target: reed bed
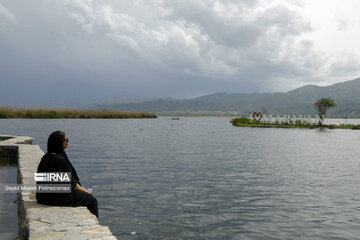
8	112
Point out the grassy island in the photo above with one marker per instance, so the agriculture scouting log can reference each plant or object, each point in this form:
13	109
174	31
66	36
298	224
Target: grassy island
245	122
7	112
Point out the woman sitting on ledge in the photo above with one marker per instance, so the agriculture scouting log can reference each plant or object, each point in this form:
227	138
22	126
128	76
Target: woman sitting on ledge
56	160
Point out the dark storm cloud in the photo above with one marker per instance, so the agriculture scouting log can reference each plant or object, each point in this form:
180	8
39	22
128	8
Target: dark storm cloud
94	50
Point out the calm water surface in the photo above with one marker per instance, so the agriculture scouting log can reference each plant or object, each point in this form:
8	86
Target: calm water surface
8	205
202	178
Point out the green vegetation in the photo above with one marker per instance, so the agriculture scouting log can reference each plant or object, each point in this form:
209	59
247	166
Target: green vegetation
356	127
7	112
323	105
239	121
245	122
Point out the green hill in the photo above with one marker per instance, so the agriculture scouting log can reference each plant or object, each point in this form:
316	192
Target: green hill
298	101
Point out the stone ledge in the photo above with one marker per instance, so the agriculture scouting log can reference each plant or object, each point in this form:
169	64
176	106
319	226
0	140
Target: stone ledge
10	139
36	221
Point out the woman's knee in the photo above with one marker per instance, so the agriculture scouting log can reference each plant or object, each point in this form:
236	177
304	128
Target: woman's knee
92	201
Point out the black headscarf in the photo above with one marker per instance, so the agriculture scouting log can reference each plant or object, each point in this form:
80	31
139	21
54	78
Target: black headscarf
55	142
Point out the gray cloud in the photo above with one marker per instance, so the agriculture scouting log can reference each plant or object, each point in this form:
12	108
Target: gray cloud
93	50
6	18
6	14
203	37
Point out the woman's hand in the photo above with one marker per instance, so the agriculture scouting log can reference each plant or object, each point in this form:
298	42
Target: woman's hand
78	187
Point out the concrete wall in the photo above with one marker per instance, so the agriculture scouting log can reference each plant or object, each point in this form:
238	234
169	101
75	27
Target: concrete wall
38	221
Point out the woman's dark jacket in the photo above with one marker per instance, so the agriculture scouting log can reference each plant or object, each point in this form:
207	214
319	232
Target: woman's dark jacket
59	163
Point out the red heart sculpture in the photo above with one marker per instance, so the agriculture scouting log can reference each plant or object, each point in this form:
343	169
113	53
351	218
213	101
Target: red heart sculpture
256	116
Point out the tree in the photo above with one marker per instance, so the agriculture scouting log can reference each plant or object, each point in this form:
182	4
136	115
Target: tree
324	104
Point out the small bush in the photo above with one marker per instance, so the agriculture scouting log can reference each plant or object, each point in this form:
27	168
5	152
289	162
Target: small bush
356	127
54	114
242	120
298	123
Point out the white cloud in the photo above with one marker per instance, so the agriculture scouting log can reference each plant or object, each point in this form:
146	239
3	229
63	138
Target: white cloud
210	38
6	16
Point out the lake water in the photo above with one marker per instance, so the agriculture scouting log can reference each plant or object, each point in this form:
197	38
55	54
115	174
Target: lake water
8	205
202	178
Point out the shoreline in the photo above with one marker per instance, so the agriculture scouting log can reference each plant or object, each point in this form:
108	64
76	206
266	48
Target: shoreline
42	113
160	114
269	125
290	122
288	126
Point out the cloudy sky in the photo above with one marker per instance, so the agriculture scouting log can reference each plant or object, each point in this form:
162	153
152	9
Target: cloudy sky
78	51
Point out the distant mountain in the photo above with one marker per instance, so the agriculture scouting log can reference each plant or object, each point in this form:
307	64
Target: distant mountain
117	101
298	101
